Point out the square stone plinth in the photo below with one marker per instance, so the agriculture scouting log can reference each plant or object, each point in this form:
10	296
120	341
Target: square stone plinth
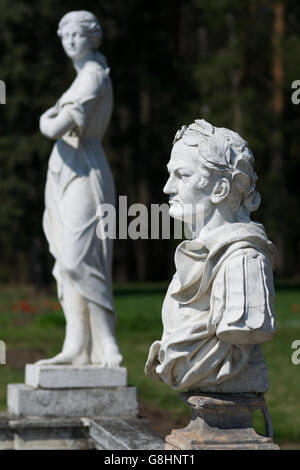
68	376
24	400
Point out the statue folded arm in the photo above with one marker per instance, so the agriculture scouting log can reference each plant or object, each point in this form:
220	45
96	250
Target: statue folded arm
72	110
56	126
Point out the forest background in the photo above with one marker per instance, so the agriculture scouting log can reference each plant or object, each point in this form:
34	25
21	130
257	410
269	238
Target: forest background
230	62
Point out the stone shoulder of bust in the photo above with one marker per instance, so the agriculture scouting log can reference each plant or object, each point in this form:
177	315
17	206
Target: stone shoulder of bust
242	299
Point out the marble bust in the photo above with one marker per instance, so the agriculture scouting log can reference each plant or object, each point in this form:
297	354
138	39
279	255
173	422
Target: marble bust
219	305
78	180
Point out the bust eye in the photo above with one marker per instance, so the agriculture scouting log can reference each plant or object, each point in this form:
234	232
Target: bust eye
183	174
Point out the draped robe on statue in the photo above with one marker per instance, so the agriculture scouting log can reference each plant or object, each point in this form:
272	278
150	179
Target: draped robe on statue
78	180
218	308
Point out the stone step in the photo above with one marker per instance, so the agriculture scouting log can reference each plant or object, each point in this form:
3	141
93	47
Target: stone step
51	434
6	434
24	400
45	433
124	434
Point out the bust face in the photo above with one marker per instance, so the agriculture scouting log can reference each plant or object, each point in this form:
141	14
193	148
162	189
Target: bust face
75	42
187	200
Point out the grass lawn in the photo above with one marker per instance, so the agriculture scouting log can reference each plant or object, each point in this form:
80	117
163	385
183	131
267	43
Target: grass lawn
32	326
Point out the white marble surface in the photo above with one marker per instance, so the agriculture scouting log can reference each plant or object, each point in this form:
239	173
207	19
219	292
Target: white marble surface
219	305
78	180
69	376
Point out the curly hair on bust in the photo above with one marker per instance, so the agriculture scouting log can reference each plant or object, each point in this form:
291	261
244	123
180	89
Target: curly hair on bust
87	21
227	154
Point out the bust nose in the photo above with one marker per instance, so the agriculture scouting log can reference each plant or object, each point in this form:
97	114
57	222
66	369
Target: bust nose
71	40
170	187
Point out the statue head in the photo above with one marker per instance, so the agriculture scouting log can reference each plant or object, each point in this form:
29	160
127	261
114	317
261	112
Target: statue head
211	168
80	33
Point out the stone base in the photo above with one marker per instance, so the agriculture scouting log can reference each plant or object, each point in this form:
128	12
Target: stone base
68	376
124	434
24	400
71	407
6	434
46	434
77	434
221	422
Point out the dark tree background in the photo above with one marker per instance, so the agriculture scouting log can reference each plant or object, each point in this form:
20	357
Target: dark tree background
230	62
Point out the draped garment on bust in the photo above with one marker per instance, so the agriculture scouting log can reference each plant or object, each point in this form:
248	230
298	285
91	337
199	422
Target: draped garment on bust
217	311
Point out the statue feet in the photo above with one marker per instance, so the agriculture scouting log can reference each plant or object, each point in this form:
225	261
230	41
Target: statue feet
66	358
112	357
109	356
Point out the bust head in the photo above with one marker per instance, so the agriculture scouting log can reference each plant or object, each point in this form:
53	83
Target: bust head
211	168
80	33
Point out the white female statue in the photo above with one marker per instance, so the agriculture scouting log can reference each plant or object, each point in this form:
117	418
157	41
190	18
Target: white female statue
78	180
219	305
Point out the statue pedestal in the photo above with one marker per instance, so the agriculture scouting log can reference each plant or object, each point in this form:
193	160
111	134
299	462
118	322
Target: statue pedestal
220	422
69	391
74	407
68	376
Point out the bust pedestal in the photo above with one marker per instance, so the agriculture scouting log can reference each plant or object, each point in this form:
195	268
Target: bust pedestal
222	422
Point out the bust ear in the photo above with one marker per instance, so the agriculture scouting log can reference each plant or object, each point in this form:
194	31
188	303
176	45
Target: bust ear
220	191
